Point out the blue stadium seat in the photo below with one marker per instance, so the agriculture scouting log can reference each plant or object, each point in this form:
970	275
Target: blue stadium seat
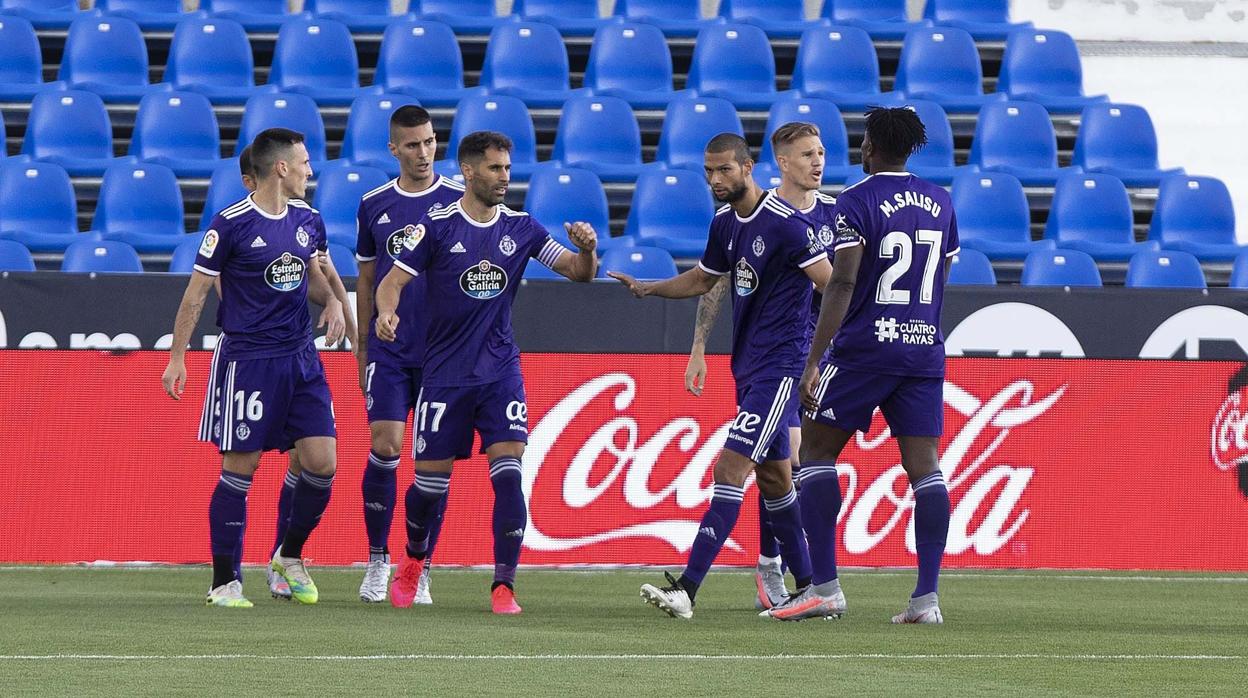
673	17
183	259
316	57
1196	215
631	61
987	20
934	162
640	262
570	17
344	260
855	178
213	57
367	137
101	256
766	175
599	134
527	60
1119	139
43	14
1043	65
779	18
1165	269
178	130
151	15
254	15
827	117
671	209
1239	271
38	207
70	128
15	257
107	55
559	195
971	268
993	215
1018	138
941	64
140	205
840	64
285	110
225	188
1092	213
359	15
882	19
464	16
734	62
422	59
21	62
689	124
1060	268
501	113
338	191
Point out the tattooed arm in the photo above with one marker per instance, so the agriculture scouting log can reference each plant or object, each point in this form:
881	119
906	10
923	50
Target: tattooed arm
708	310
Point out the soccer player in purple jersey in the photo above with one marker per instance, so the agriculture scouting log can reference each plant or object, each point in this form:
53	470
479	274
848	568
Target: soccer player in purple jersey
895	237
801	156
472	255
274	391
278	587
773	256
390	371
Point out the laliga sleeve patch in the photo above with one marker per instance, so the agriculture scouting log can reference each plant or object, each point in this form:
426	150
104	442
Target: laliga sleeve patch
414	236
209	245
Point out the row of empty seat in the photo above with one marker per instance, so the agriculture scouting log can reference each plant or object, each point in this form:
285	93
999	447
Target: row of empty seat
1072	268
988	19
317	57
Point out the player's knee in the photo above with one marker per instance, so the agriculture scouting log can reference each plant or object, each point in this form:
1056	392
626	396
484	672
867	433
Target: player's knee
731	471
773	481
387	438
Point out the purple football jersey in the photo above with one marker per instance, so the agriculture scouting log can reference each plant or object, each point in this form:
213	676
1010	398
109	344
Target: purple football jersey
472	272
820	213
766	253
907	228
263	264
387	215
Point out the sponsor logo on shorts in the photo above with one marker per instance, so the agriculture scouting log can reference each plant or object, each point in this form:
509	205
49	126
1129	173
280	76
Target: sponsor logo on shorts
285	273
507	246
368	402
909	332
745	278
242	432
484	281
420	444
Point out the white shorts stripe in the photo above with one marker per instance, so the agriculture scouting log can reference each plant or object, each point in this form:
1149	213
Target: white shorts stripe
207	418
783	391
828	373
227	407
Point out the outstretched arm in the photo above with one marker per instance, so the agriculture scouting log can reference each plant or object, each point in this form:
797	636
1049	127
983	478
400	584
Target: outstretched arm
708	310
836	298
192	306
694	282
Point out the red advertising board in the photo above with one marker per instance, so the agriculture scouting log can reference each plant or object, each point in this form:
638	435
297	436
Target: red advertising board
1051	463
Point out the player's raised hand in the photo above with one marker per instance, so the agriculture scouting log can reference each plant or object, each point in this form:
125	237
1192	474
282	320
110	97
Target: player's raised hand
637	288
806	389
332	315
387	323
695	374
174	379
582	235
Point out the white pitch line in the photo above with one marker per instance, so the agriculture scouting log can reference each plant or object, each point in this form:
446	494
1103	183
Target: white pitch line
611	657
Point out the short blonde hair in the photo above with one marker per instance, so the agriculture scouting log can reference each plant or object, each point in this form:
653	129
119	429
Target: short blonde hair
790	132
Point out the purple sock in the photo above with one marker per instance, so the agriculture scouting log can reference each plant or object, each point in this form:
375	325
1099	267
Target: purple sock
311	498
767	544
284	501
931	526
421	501
435	526
715	528
227	516
380	490
510	518
821	503
786	519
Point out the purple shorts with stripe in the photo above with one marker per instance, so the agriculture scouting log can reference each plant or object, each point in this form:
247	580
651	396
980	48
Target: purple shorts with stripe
912	405
446	418
390	391
765	409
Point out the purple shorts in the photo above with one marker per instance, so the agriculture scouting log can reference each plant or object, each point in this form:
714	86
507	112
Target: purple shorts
912	405
446	417
390	391
267	404
765	409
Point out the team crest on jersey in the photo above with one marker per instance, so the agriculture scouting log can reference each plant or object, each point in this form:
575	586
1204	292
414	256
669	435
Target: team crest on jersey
412	235
484	281
507	246
759	246
301	236
285	273
746	278
209	245
826	236
243	431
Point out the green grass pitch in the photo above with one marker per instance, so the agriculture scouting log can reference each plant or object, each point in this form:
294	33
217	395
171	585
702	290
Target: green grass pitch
122	632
